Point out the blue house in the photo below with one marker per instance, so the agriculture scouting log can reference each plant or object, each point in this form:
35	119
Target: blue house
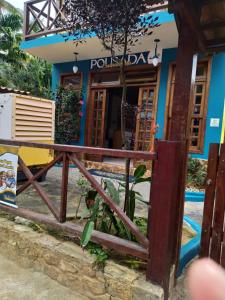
150	87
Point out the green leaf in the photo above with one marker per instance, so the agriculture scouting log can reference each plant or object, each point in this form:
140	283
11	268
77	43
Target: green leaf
95	209
113	192
132	205
87	232
104	226
140	171
112	218
140	180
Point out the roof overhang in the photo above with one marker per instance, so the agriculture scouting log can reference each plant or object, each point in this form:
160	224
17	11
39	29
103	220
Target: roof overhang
54	49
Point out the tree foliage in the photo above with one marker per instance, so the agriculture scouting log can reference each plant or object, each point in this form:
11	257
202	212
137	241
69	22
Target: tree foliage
19	70
117	23
10	38
8	7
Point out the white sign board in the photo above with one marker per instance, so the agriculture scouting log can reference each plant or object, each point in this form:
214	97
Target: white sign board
215	123
132	59
8	175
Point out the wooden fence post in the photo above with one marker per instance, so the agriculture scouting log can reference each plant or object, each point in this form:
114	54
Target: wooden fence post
209	199
64	189
219	208
163	223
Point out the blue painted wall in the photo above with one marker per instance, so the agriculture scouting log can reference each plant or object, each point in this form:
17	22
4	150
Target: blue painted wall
59	69
215	101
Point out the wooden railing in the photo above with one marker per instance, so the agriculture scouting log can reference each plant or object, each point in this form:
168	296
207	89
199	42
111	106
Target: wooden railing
158	247
41	16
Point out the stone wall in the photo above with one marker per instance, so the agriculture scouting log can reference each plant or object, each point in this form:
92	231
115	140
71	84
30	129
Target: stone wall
68	264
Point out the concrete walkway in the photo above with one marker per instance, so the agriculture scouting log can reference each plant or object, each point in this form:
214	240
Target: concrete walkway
17	283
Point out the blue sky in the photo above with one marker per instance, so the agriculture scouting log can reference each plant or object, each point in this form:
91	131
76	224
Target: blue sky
17	3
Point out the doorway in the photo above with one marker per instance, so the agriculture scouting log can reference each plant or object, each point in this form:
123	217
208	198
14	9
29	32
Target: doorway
113	138
105	118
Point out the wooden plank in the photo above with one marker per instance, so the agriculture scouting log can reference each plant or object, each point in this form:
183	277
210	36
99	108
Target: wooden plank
162	213
39	174
85	150
64	189
120	213
209	199
39	189
218	221
106	240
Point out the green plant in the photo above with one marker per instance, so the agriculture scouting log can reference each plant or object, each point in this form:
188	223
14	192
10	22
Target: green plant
100	255
68	107
19	70
197	173
84	187
139	177
102	218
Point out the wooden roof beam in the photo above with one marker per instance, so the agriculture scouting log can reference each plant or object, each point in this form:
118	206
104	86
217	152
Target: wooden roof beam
188	12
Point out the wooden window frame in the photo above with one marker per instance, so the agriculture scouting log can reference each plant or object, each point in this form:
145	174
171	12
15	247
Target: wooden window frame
199	79
91	88
64	75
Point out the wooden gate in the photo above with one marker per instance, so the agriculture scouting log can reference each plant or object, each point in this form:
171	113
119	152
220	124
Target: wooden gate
213	236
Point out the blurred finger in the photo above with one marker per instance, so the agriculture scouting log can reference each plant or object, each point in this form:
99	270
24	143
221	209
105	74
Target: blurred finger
206	281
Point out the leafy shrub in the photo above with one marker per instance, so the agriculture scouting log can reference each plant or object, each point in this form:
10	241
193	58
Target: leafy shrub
197	173
67	123
102	218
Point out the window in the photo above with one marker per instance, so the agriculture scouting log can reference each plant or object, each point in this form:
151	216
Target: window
105	79
198	107
71	81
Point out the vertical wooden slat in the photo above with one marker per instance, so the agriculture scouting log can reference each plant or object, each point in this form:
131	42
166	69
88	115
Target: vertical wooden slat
49	13
64	189
209	199
218	222
162	214
26	20
186	66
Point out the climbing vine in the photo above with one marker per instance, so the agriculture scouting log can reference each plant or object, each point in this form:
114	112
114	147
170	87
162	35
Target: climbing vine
68	116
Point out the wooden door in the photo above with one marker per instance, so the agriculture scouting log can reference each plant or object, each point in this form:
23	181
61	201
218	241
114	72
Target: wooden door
97	120
146	117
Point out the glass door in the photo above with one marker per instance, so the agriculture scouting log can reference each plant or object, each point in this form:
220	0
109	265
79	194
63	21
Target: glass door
146	118
98	118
